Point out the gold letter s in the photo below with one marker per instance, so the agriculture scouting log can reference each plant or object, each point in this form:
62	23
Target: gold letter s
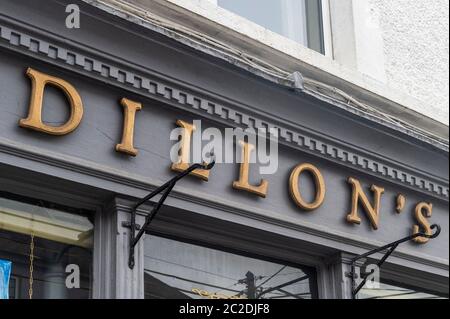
34	120
422	221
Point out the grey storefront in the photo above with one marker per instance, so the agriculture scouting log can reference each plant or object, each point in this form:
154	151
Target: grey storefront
65	191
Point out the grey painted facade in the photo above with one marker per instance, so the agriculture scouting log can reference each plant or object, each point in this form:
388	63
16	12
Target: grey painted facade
109	58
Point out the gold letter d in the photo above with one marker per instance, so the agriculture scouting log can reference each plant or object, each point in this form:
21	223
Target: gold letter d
34	120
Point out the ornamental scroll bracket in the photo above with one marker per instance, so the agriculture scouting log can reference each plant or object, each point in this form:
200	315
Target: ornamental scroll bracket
166	189
390	249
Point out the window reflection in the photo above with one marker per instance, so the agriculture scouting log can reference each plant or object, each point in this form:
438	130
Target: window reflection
59	239
177	270
391	291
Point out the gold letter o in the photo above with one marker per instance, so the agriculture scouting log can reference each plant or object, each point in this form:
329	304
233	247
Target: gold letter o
320	186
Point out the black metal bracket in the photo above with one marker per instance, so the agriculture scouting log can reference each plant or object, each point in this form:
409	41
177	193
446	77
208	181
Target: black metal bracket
166	188
390	249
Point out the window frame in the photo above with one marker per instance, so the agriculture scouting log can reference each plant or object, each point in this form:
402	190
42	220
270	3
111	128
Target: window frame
37	187
40	197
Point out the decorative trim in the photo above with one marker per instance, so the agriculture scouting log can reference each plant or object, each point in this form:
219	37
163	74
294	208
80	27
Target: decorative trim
120	282
89	62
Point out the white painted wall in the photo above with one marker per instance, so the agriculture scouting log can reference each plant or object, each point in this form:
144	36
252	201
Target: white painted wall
370	57
405	44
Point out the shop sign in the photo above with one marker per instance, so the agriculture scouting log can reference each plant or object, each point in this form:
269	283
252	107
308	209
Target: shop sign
359	198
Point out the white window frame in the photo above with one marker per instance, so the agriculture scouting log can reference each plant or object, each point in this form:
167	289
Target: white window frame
326	26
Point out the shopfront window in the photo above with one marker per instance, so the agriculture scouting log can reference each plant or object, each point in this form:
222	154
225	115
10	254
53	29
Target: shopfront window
48	251
396	291
178	270
298	20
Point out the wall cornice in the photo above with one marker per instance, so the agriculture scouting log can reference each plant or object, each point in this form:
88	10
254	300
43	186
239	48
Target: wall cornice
63	53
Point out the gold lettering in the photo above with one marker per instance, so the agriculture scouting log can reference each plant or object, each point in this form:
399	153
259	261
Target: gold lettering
243	183
129	111
423	222
294	189
185	152
401	200
358	195
34	120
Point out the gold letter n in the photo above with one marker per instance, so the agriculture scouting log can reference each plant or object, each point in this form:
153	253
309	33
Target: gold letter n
358	196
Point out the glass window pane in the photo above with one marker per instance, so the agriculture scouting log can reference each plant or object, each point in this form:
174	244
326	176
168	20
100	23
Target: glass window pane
314	25
266	13
178	270
298	20
395	291
60	239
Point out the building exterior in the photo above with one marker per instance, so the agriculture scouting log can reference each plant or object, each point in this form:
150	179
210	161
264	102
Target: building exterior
91	92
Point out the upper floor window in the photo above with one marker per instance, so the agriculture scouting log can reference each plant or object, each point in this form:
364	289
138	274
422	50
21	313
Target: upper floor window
298	20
